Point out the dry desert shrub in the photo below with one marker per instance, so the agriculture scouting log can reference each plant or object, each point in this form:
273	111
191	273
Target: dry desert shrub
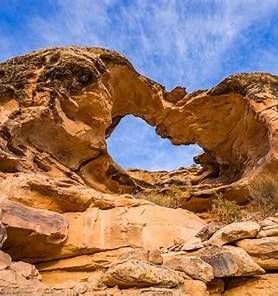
226	211
264	193
172	197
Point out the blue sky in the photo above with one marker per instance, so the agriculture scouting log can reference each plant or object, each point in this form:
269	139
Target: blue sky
193	43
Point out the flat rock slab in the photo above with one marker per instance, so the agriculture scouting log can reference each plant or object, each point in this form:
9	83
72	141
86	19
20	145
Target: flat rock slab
145	226
267	231
230	261
263	250
233	232
195	267
137	273
31	231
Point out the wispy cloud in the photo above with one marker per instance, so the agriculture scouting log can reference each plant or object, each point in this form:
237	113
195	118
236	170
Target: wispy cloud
176	42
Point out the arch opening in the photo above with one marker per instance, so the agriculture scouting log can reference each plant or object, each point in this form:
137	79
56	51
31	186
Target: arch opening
135	144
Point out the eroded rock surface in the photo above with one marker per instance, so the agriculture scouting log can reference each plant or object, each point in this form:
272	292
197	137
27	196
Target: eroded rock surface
75	96
263	250
67	207
192	266
230	261
233	232
136	273
264	285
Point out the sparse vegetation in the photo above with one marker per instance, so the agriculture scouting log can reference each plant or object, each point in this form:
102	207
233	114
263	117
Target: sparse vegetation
226	211
264	194
171	197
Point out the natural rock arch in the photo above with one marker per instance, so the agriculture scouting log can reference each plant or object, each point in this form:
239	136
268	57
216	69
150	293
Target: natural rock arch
60	104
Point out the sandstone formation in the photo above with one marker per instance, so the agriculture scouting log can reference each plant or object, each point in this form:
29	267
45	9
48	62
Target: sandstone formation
192	266
265	285
233	232
230	261
263	250
72	221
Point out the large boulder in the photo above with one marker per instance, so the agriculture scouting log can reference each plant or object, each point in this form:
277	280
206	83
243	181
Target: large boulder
263	250
191	265
32	232
233	232
230	261
137	273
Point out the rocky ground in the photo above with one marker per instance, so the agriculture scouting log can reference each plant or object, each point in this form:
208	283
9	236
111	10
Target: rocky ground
73	222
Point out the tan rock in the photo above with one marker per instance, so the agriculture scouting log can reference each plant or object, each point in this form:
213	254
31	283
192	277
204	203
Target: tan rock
266	231
95	281
192	266
60	194
80	288
139	254
152	256
82	267
263	251
31	232
207	231
266	285
155	257
3	234
230	261
143	227
136	273
193	244
11	279
269	221
233	232
8	278
216	287
152	291
91	89
26	270
196	288
5	260
57	108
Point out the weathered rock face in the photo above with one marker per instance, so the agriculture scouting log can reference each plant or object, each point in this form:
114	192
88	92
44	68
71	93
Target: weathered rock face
230	261
3	234
234	232
263	250
75	97
67	207
192	266
136	273
265	285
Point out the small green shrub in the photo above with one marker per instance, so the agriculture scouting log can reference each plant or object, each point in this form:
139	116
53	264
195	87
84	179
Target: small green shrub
226	211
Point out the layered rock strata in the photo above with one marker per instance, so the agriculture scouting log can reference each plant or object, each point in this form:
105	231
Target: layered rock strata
67	208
